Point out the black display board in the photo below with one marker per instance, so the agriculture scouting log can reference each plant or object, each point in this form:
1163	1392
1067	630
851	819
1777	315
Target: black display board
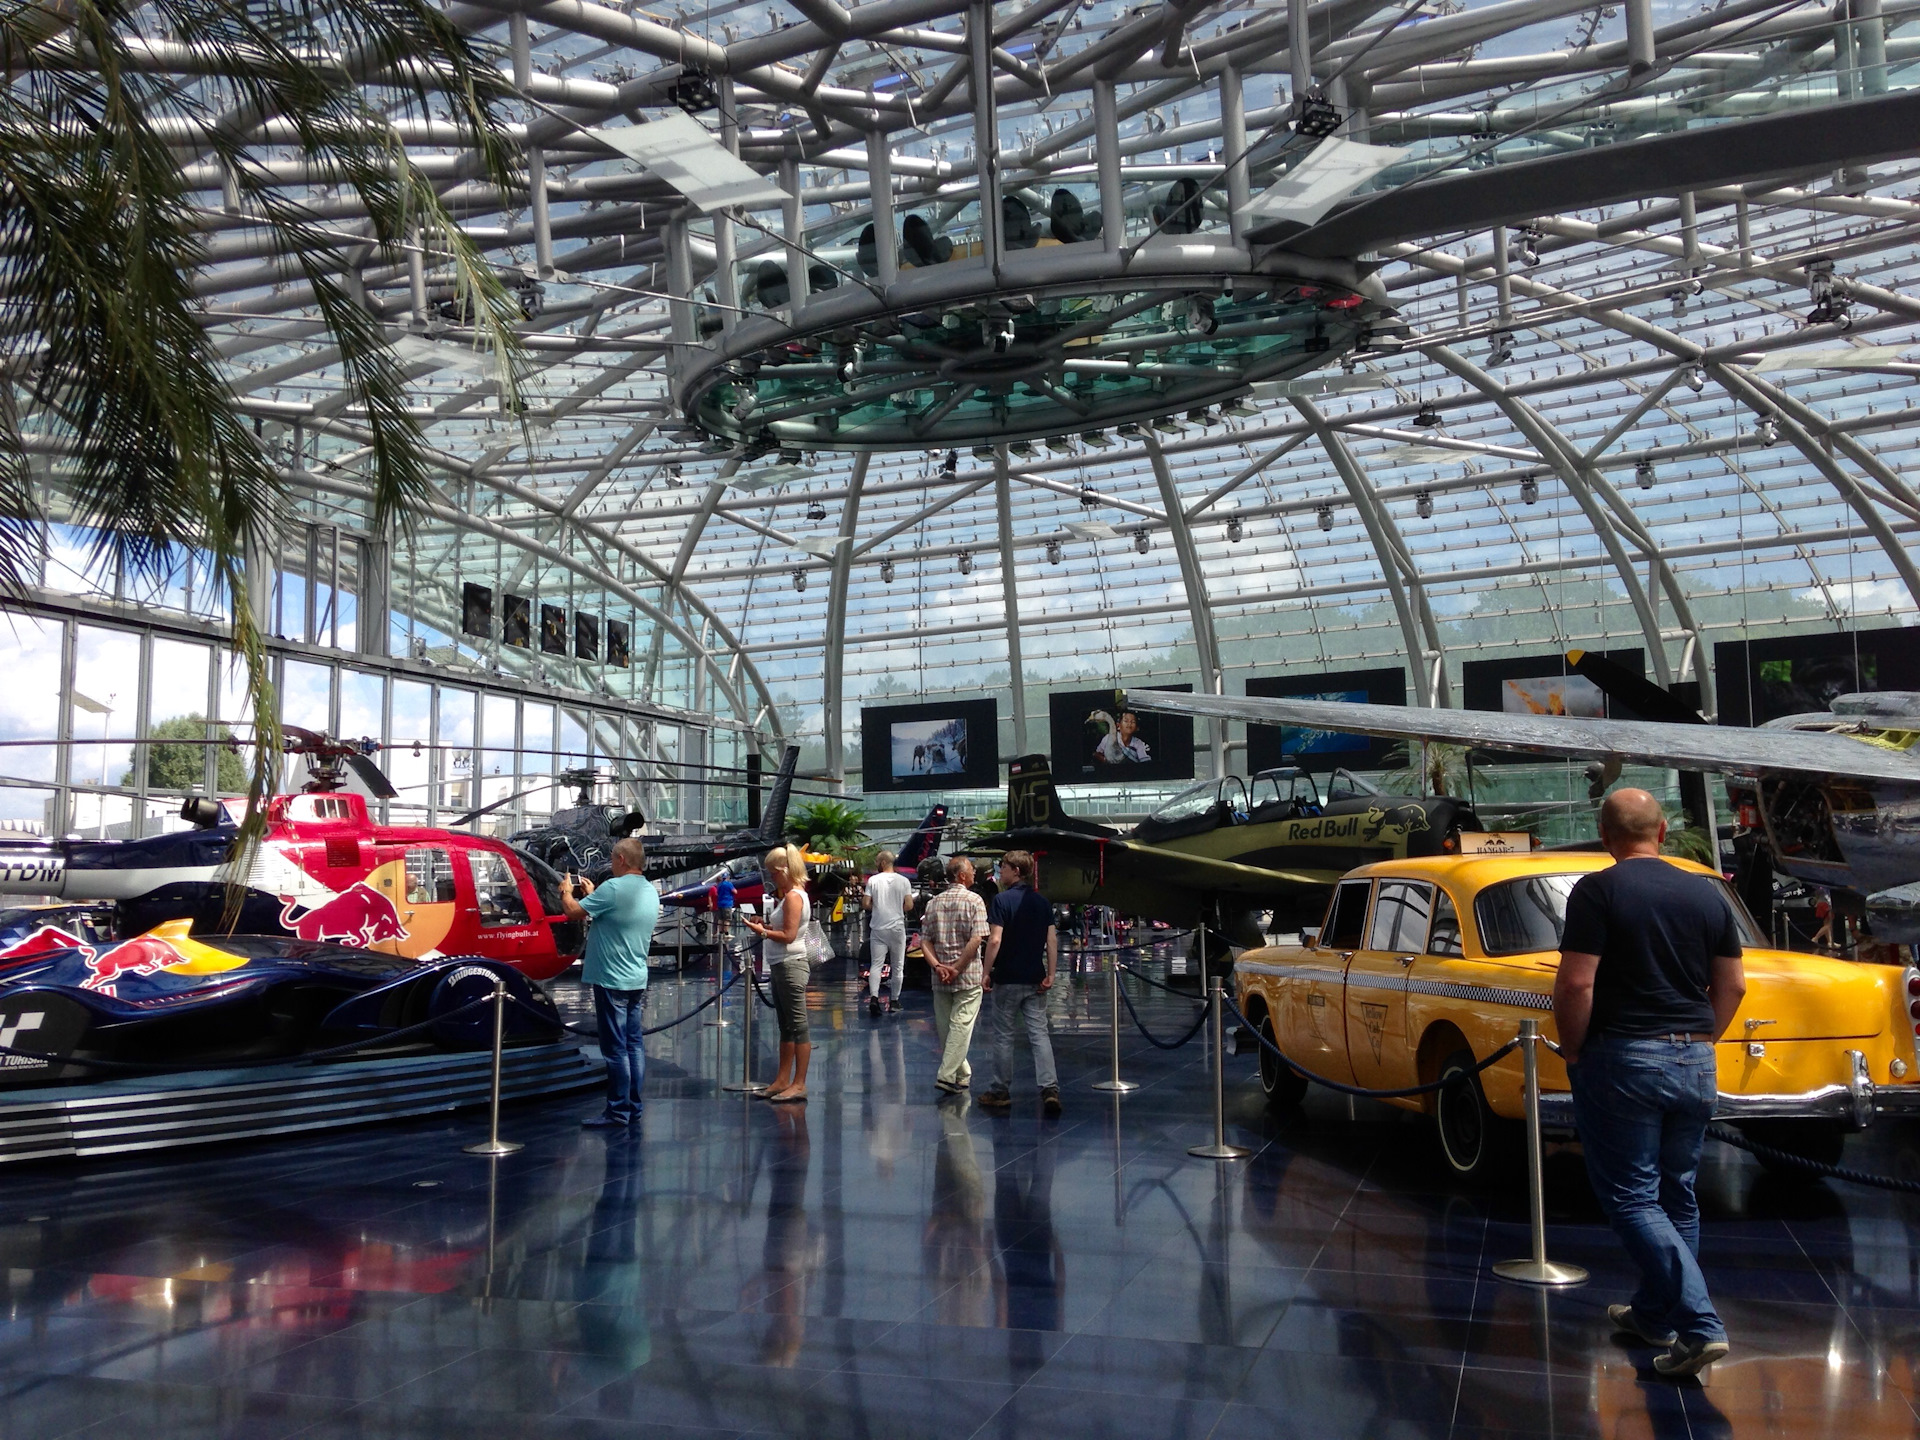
516	621
476	610
1762	680
619	644
1323	750
941	745
553	630
586	636
1096	740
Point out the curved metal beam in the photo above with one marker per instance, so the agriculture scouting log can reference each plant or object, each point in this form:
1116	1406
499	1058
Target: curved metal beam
1205	643
1387	546
835	680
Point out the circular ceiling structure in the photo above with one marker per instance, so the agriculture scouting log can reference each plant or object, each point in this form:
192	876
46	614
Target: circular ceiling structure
1170	344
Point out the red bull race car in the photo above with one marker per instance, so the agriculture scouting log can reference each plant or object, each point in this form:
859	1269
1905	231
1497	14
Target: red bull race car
69	993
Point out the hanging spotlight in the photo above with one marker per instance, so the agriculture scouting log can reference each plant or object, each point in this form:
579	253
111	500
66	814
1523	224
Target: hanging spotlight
848	367
1829	296
1768	430
1324	516
1142	542
1500	349
1523	246
886	572
998	334
950	467
1696	377
966	562
1643	474
1235	530
1200	316
1529	490
1428	418
1053	552
744	403
816	510
1423	504
1089	496
800	580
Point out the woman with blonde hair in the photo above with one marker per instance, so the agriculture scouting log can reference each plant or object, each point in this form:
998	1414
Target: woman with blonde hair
786	917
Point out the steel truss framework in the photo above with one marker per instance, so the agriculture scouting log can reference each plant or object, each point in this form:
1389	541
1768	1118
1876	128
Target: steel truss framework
1673	414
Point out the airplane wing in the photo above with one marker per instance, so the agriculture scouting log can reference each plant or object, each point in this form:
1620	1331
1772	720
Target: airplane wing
1124	860
1686	747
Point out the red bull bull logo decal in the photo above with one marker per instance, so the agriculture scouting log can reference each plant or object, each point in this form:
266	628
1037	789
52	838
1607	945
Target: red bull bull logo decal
358	916
47	940
147	955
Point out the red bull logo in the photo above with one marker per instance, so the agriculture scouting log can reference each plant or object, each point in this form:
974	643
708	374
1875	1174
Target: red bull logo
47	940
146	955
358	916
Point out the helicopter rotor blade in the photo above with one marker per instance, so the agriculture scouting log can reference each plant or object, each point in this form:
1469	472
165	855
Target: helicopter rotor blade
373	777
473	815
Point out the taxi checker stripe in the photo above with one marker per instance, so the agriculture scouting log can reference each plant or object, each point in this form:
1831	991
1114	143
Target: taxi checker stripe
1448	989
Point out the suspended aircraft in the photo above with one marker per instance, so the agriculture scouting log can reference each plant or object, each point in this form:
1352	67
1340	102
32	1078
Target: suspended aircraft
1835	796
1222	851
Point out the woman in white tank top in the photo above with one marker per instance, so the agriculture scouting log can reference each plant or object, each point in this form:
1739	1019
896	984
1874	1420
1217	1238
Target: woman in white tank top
787	962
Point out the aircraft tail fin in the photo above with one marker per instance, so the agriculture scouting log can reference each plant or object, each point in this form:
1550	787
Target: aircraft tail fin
773	826
1033	803
924	842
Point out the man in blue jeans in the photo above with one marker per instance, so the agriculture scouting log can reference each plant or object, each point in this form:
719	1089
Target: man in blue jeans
1023	951
622	912
1650	976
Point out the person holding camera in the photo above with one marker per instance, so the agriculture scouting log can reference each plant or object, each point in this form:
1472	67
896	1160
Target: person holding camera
620	914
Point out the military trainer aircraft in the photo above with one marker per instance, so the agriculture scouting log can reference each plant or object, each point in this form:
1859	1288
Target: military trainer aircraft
1223	850
1836	795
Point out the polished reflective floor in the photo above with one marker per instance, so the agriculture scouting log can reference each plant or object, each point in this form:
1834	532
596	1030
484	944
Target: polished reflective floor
876	1264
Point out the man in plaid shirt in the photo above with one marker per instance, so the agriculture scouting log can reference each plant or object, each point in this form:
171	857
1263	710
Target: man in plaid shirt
951	933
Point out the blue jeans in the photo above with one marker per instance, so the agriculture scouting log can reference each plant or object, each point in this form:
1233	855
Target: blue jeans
1642	1107
622	1015
1021	1006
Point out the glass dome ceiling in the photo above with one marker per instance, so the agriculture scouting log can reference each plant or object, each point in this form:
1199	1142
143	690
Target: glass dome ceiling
1630	368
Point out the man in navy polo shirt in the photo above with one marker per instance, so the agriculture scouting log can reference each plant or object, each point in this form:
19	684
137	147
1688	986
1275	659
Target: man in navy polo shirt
1023	951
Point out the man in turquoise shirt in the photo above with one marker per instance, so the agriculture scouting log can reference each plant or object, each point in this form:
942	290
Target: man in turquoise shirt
621	913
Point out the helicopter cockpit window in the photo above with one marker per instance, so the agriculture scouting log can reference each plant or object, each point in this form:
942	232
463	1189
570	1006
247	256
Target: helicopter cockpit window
429	877
1192	801
497	892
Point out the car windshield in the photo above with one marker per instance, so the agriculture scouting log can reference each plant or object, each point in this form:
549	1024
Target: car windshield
1521	917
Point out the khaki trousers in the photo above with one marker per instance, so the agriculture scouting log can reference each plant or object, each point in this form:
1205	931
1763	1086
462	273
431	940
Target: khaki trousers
954	1014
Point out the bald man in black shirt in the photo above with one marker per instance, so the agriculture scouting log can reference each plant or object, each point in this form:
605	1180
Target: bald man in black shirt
1650	976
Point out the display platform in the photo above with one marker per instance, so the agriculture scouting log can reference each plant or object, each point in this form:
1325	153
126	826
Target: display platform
162	1112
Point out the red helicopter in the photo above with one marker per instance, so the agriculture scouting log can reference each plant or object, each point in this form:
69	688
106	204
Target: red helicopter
323	871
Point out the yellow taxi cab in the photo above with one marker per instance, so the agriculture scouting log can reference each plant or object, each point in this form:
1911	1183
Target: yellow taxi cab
1426	966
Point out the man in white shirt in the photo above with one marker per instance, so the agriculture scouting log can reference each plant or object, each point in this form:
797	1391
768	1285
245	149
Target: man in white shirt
886	901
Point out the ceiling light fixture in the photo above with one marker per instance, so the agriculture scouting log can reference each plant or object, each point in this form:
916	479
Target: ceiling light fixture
950	467
966	562
1828	293
1643	474
1529	490
1201	318
886	572
1500	349
816	510
1696	377
1323	516
1428	418
800	580
1235	530
1423	504
1768	430
1142	542
1053	552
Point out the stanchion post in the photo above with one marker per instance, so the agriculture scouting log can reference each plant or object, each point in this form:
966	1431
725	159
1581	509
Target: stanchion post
744	1085
493	1144
718	1020
1113	1082
1219	1149
1537	1269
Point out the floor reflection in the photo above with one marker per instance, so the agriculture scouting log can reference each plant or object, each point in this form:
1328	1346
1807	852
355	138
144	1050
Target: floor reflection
884	1262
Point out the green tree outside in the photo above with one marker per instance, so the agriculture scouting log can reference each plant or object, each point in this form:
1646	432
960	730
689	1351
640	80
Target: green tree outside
179	767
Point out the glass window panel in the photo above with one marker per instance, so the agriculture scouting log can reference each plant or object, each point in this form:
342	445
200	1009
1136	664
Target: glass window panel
30	704
498	767
106	676
406	760
177	710
458	711
497	892
536	757
102	817
306	695
25	811
236	717
362	699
